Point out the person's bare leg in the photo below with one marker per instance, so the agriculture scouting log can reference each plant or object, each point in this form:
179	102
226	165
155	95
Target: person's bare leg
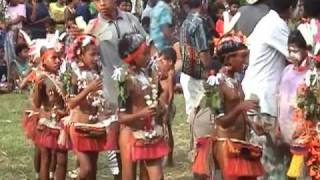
128	168
143	171
53	164
45	163
170	162
85	165
93	161
154	169
61	169
37	160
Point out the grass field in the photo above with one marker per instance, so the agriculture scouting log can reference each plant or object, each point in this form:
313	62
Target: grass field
16	154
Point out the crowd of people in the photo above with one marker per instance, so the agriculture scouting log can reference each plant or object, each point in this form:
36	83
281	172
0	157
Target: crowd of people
102	77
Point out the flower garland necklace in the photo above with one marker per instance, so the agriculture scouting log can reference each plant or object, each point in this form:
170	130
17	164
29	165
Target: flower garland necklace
96	98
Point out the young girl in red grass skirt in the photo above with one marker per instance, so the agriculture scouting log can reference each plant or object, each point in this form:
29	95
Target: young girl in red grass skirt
140	111
234	156
92	130
48	98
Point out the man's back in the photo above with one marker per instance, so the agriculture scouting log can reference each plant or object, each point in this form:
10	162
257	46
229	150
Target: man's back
268	51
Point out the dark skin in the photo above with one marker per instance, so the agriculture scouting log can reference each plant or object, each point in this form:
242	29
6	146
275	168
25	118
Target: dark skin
34	14
131	118
165	28
46	96
233	124
107	8
166	68
16	20
87	160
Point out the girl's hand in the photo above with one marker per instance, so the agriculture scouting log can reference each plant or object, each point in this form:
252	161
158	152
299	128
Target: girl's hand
147	111
95	85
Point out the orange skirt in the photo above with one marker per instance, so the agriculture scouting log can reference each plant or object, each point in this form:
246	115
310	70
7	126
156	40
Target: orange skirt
29	124
47	137
82	143
155	150
203	160
239	166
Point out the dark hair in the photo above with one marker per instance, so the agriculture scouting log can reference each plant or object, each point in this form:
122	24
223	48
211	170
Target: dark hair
129	43
195	3
51	22
312	8
20	47
169	54
283	5
228	45
231	2
121	1
296	38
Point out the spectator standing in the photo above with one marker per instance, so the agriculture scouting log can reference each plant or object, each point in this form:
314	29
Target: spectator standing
268	52
70	11
16	14
56	10
110	25
82	9
250	15
195	54
161	23
227	15
37	16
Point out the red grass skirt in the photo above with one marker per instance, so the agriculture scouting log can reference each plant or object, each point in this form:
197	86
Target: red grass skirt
81	143
241	167
29	124
47	137
203	160
156	150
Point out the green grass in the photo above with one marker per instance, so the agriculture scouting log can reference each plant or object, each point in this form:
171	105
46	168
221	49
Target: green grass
16	154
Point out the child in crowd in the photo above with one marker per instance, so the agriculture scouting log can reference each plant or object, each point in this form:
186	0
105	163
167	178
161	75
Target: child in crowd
167	60
225	100
125	5
292	76
141	111
19	68
49	98
89	132
231	11
219	24
4	84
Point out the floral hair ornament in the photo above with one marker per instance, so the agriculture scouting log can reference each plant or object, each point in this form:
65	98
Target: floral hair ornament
232	43
78	44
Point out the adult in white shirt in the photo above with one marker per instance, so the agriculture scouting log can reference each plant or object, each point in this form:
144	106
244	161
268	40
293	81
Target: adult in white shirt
268	52
15	13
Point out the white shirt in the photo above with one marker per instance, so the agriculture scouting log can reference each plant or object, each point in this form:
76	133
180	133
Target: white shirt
268	52
14	12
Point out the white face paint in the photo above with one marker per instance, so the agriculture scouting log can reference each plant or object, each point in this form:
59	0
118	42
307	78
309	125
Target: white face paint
295	55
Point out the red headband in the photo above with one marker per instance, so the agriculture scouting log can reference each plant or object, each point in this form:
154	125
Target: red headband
46	54
140	50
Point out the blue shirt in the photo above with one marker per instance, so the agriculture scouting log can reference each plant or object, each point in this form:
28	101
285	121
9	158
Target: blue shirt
83	10
193	41
38	30
160	15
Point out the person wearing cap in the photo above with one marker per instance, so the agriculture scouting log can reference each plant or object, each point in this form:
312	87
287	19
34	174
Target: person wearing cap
141	111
